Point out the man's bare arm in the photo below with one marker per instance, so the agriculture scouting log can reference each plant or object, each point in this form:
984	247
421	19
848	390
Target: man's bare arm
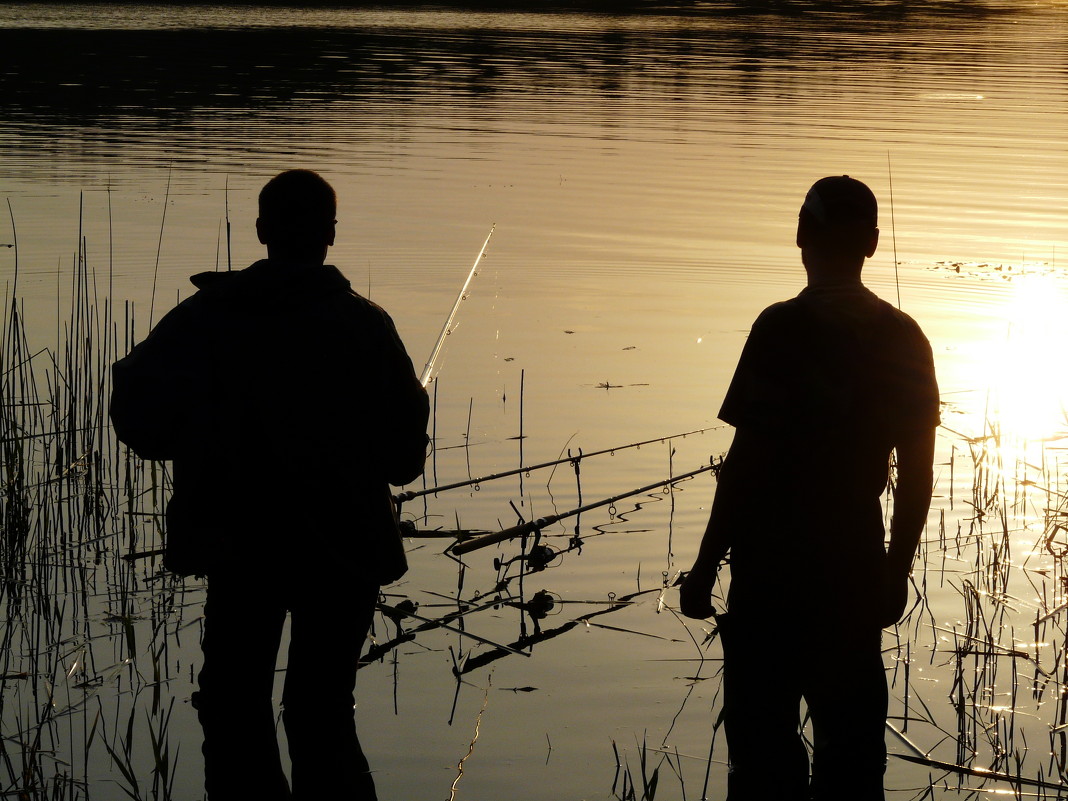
912	500
736	478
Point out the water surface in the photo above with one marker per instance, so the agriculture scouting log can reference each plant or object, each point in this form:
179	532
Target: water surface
644	171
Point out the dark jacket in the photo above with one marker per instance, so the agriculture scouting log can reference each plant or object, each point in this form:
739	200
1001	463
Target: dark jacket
288	404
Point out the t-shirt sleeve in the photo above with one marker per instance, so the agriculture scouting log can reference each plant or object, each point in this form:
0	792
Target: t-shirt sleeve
797	372
758	396
915	401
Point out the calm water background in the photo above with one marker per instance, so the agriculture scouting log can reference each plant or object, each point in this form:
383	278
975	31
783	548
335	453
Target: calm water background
644	170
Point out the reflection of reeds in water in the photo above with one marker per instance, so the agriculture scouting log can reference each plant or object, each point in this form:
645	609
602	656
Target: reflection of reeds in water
91	638
988	706
93	659
85	636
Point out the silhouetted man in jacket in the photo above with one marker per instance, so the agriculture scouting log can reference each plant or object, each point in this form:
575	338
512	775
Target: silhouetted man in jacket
828	385
288	405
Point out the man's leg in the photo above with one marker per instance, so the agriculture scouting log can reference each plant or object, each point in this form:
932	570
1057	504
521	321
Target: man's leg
847	698
242	630
328	629
761	706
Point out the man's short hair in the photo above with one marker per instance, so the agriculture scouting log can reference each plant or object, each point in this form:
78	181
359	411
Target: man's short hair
297	206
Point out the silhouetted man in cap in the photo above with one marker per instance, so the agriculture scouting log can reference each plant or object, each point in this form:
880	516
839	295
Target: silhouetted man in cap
288	405
829	384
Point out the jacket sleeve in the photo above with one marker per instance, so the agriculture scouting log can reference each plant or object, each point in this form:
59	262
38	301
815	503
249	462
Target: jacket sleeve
152	388
405	412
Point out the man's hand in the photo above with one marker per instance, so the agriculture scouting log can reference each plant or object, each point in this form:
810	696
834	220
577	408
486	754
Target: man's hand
695	594
894	599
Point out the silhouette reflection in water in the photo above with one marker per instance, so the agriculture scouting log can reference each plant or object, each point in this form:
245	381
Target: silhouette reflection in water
828	385
288	405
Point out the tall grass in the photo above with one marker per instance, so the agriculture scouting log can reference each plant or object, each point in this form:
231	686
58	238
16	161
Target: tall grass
982	691
98	645
86	632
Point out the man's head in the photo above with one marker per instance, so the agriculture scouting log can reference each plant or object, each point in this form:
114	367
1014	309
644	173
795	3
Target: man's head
838	226
296	221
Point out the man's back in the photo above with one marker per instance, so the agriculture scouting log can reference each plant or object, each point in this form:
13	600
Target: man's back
829	384
288	405
832	380
296	404
840	373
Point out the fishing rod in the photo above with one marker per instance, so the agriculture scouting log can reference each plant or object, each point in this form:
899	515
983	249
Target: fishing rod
403	497
380	649
529	641
893	228
398	612
446	329
461	548
981	773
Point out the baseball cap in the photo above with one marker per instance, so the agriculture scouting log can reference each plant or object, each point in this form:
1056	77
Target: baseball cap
839	200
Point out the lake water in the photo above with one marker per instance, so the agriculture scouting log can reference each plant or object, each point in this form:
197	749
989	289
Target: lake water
643	166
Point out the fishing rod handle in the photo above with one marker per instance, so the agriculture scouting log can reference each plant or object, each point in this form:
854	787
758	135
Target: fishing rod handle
460	548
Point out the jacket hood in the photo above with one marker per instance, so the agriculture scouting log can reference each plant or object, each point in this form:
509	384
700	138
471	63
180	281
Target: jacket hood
268	282
266	279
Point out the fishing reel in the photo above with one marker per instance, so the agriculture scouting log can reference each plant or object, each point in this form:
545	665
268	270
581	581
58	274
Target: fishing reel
542	604
538	558
399	612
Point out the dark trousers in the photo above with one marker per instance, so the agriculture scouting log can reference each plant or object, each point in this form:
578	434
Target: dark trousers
243	620
769	667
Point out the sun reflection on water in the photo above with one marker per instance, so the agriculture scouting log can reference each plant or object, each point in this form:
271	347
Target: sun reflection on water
1028	374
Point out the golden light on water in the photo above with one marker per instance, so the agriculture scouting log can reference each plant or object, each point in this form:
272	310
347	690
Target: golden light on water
1028	369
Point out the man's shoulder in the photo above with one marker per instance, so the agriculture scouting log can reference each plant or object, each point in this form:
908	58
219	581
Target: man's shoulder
780	309
352	303
904	320
264	282
896	327
852	305
779	317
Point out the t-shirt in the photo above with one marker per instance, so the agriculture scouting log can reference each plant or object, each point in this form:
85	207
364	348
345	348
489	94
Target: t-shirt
833	378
